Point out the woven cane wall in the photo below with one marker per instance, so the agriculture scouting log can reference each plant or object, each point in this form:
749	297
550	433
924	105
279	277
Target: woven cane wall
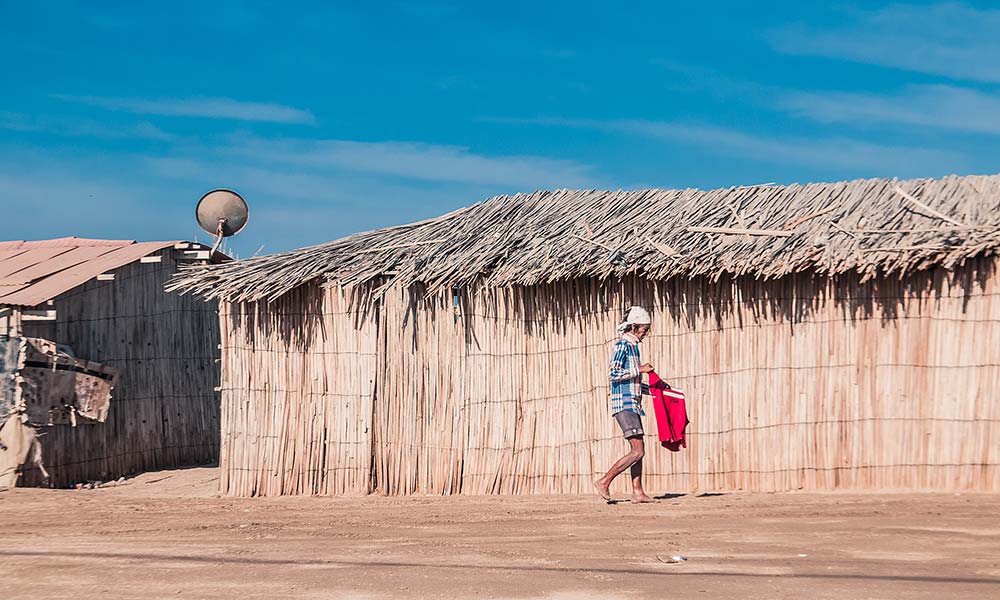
297	388
795	383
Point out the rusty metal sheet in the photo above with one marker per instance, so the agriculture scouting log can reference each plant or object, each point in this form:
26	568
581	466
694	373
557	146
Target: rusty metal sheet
6	290
59	389
71	242
67	279
11	361
55	264
12	252
30	258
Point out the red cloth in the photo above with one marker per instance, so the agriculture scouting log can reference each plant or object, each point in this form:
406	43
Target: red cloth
671	414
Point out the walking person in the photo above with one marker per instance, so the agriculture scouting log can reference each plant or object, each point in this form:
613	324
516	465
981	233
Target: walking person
626	401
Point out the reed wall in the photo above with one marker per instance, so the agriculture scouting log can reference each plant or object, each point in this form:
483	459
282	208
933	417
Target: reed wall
795	383
298	382
164	410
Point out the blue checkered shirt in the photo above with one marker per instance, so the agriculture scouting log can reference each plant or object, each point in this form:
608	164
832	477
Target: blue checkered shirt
626	381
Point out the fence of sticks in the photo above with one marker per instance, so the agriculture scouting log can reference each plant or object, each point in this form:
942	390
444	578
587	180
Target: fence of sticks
864	355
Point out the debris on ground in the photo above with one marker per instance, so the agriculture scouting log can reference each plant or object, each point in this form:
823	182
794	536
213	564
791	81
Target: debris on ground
90	485
671	560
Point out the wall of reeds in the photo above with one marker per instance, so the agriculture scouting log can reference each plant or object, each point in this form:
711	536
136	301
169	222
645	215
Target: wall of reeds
164	410
297	389
800	382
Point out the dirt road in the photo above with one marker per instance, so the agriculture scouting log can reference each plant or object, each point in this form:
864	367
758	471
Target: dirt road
165	535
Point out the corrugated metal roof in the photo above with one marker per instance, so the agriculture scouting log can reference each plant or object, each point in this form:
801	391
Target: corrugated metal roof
64	260
36	271
72	242
27	259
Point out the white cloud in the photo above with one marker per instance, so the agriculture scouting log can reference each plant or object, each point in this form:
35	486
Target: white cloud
293	208
949	39
827	152
823	152
212	108
311	158
126	196
413	160
283	184
75	127
938	106
54	198
301	191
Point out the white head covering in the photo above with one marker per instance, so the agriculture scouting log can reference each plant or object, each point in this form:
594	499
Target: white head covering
636	315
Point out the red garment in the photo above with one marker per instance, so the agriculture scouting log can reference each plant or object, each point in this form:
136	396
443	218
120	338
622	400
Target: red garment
671	414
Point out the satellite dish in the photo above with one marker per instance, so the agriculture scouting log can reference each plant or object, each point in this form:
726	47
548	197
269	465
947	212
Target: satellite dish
222	213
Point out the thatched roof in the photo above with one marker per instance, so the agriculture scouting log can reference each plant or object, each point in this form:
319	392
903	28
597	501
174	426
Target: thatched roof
871	226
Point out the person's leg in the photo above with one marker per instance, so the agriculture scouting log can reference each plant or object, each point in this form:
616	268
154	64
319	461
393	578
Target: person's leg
635	470
635	453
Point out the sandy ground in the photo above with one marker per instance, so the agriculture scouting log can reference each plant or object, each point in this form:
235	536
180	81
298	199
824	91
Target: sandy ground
167	535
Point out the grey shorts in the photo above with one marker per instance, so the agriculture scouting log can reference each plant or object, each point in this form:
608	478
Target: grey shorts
630	423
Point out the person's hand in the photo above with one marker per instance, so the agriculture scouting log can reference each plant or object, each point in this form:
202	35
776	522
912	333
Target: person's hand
645	368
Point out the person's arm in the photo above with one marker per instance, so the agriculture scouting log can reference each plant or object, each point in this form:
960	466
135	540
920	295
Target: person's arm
645	369
621	369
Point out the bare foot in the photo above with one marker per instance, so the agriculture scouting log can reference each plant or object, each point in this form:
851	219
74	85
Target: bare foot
641	499
602	490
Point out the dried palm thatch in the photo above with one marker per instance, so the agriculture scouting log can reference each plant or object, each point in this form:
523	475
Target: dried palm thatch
869	226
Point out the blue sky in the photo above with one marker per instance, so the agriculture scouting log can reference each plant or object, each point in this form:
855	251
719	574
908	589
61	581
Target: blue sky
334	118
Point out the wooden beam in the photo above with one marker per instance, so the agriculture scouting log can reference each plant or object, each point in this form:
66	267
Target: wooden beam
38	315
739	220
930	211
910	248
812	216
151	259
740	231
665	249
598	244
106	277
396	246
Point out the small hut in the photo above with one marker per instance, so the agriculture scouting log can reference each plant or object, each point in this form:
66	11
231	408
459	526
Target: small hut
102	373
832	335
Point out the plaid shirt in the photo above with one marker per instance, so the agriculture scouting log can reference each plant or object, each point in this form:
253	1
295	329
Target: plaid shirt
626	381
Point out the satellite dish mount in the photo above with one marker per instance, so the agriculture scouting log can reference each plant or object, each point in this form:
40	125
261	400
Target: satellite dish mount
222	213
